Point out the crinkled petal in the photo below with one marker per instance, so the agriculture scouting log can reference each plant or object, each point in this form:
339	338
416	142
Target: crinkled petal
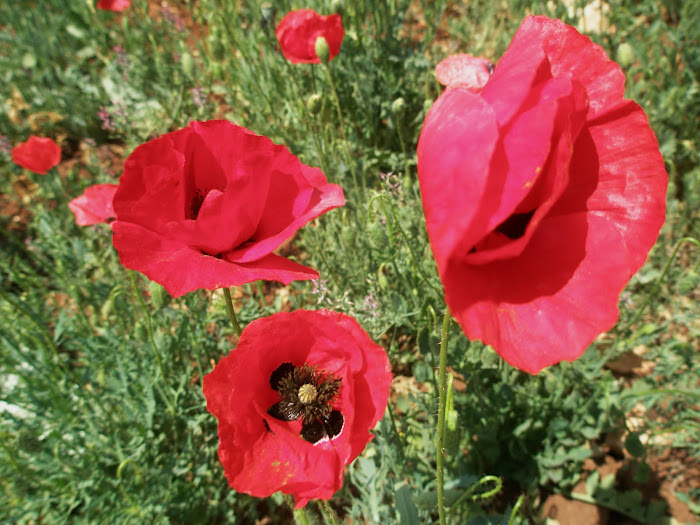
152	186
181	268
94	206
573	55
311	203
455	151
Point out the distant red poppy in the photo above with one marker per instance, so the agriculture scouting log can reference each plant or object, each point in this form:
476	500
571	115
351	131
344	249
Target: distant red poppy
206	206
298	30
113	5
94	206
37	154
466	70
295	403
542	195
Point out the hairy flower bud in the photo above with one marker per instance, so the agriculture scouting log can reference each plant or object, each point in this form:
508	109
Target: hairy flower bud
321	48
398	105
338	6
187	63
625	54
314	103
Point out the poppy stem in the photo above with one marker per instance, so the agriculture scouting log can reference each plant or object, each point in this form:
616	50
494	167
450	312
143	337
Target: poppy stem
231	311
346	150
657	284
442	381
328	511
299	514
149	330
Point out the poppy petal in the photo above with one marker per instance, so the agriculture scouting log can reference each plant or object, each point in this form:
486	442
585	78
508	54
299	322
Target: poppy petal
180	268
573	55
37	154
464	70
94	206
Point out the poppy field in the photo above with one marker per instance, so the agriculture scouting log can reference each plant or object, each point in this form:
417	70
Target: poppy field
349	262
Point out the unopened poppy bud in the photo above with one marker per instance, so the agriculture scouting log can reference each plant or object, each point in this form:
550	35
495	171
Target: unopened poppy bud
337	6
216	45
140	332
187	64
314	103
321	48
159	296
107	308
625	54
398	106
267	11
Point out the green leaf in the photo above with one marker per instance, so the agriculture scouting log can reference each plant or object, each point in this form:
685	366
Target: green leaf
408	512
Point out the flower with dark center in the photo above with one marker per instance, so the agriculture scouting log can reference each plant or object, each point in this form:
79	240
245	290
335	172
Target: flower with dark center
543	191
206	206
296	401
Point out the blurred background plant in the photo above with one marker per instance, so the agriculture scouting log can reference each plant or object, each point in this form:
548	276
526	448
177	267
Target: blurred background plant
91	431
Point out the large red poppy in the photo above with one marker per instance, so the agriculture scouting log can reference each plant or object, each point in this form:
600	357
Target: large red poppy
113	5
298	30
94	206
37	154
543	194
295	403
206	206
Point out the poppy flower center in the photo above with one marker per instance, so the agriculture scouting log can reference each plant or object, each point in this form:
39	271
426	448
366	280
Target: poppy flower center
514	226
196	204
306	392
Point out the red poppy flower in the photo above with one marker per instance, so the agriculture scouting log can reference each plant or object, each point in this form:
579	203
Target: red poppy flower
466	70
295	403
94	205
298	30
37	154
205	206
542	195
113	5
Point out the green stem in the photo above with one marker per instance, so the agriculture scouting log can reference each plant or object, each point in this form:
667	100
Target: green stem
498	484
231	311
442	381
346	150
149	329
299	514
657	284
329	512
516	509
399	439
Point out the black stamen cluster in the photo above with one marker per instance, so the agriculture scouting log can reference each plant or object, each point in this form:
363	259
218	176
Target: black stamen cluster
327	388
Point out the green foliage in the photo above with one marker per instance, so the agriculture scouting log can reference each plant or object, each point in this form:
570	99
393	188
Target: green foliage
103	419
